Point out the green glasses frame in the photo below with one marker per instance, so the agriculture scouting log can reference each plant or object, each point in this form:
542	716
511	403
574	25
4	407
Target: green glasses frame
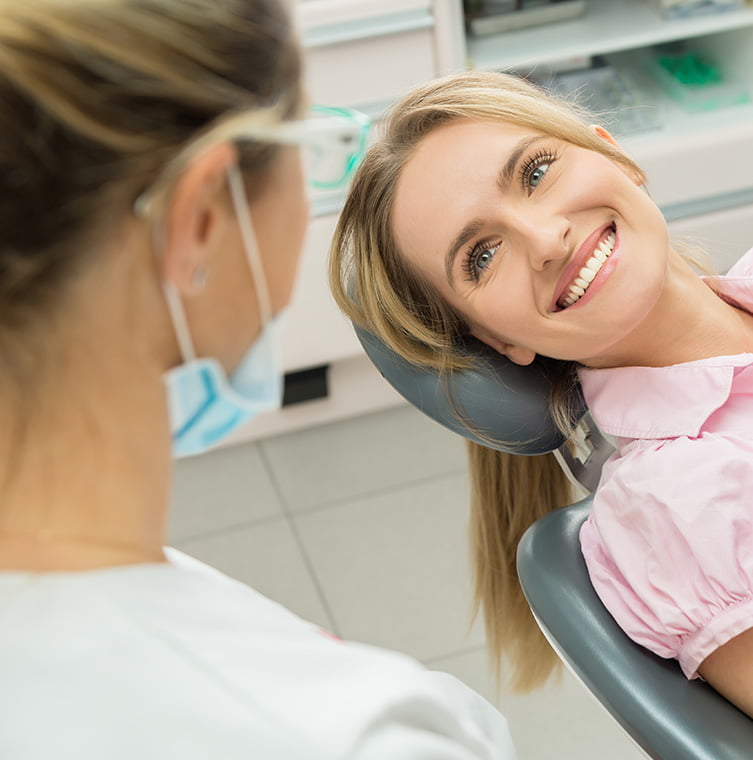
341	133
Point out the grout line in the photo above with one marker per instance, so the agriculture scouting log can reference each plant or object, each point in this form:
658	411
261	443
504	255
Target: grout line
349	498
272	475
335	628
301	547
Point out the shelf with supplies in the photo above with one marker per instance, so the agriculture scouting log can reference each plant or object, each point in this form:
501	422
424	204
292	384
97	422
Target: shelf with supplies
606	26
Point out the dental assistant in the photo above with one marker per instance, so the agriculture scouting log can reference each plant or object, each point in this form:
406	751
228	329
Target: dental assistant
153	210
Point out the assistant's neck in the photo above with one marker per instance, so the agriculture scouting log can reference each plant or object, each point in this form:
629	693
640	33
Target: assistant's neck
87	483
85	455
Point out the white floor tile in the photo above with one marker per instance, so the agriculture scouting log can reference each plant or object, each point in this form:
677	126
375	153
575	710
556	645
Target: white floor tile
266	556
394	568
560	720
361	455
220	490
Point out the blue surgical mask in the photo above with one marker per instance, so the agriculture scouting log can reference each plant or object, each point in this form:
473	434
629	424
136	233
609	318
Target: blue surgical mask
206	406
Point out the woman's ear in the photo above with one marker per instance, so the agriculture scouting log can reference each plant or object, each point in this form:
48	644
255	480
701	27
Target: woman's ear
195	213
607	136
604	134
516	354
520	355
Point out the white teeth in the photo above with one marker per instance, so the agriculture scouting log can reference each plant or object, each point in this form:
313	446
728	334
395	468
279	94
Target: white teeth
588	273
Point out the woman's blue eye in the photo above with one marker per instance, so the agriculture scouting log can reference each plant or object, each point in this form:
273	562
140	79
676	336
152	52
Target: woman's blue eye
537	175
535	168
484	258
478	259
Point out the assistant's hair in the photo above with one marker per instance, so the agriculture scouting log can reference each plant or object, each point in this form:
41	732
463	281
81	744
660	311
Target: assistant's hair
376	288
96	96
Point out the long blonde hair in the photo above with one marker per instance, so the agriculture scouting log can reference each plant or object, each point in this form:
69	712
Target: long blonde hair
374	286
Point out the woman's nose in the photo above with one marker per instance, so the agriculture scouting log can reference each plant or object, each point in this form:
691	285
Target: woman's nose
547	240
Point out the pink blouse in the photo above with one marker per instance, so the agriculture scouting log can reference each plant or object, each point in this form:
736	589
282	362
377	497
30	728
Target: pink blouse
669	542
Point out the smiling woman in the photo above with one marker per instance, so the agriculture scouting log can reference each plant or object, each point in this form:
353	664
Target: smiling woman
534	220
492	209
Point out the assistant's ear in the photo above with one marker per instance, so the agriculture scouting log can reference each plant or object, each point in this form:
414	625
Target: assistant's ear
516	354
195	213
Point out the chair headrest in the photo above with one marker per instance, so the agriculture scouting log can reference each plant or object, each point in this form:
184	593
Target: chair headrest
506	406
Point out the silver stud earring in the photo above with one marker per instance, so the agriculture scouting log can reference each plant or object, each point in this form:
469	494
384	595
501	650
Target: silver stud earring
199	278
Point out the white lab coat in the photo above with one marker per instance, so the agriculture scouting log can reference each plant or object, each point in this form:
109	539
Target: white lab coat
179	662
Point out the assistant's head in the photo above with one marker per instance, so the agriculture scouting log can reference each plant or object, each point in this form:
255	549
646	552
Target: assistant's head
475	213
102	102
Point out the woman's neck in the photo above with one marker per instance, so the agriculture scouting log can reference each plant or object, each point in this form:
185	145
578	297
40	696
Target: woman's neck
690	322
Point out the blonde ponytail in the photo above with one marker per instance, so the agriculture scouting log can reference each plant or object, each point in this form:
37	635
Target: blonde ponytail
508	494
375	287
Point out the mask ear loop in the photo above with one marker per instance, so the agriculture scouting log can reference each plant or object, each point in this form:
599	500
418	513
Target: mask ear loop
240	203
175	305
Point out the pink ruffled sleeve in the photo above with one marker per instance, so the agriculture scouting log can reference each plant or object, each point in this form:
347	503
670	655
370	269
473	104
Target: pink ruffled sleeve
669	544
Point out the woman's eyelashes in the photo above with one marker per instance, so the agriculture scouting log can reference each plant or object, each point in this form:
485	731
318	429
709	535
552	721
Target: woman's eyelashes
535	167
478	258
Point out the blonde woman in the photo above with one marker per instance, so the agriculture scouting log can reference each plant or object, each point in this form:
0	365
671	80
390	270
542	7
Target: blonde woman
490	209
152	214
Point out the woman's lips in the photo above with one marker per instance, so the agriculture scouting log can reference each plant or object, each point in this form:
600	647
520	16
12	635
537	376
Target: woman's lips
578	262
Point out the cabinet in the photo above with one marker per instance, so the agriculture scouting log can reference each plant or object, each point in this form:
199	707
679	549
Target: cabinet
366	53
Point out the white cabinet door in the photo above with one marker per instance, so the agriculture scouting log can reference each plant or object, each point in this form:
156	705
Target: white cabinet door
370	72
694	165
315	331
366	52
316	14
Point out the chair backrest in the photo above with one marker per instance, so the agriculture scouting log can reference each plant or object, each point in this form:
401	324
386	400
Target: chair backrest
496	403
668	716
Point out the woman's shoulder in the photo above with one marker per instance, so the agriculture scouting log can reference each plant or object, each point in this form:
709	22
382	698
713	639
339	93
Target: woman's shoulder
663	543
678	474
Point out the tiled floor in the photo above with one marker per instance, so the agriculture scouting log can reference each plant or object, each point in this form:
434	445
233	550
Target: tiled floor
360	526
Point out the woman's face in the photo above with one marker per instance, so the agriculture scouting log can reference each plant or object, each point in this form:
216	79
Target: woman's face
503	220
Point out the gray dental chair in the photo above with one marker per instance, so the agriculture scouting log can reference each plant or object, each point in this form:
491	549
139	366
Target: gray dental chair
668	717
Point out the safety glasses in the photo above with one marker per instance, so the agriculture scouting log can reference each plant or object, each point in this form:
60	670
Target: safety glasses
333	141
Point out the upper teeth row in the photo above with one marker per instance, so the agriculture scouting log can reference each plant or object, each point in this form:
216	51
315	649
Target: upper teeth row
589	271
